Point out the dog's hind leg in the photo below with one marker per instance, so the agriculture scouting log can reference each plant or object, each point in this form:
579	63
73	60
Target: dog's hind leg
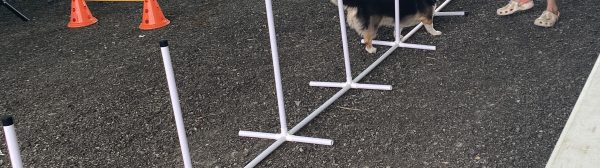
427	21
371	33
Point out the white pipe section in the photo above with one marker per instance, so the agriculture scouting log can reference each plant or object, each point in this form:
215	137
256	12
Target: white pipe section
280	141
352	85
404	45
374	64
417	46
265	153
164	48
439	8
327	84
276	69
318	110
288	137
461	13
344	41
377	42
11	142
259	135
412	32
370	86
397	20
311	140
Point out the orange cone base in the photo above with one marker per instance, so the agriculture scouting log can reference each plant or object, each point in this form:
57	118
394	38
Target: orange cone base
73	24
148	26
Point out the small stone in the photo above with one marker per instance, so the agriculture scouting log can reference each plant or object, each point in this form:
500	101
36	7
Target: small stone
458	144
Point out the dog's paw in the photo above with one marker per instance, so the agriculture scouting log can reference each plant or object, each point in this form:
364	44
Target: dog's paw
436	33
371	50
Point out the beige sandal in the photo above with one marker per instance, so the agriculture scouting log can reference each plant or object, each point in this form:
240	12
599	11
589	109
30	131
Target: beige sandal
547	19
514	6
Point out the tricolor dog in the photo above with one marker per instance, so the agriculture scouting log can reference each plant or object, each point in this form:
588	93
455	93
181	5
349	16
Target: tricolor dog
366	16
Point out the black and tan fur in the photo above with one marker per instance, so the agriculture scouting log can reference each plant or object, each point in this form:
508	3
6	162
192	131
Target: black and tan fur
366	16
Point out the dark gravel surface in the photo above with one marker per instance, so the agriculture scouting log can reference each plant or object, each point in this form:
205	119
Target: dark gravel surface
496	93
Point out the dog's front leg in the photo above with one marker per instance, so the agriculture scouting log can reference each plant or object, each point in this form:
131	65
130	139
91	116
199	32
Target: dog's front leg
368	37
371	32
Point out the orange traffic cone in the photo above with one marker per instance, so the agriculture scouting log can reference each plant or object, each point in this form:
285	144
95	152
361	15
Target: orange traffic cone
153	17
80	15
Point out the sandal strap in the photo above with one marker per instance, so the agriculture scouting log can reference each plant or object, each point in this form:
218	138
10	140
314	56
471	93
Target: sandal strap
547	15
511	4
515	5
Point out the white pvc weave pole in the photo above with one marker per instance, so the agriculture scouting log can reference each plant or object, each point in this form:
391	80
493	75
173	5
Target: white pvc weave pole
344	41
397	21
185	152
278	87
276	70
11	142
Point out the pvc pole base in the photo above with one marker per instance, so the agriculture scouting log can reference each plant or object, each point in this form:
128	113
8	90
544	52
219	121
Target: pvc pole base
353	85
402	45
287	137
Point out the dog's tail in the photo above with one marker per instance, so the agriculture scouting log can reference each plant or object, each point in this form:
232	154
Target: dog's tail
352	3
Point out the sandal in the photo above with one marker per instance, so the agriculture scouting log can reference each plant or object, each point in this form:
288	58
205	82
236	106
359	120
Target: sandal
547	19
514	6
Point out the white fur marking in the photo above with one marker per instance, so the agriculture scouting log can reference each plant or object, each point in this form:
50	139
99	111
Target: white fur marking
431	30
371	50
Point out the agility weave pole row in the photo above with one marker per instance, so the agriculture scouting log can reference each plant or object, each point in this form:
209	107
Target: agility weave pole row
286	135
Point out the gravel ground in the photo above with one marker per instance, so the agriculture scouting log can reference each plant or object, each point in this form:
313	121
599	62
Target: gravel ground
496	93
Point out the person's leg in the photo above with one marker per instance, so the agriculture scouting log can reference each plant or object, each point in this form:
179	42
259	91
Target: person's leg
552	7
524	1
